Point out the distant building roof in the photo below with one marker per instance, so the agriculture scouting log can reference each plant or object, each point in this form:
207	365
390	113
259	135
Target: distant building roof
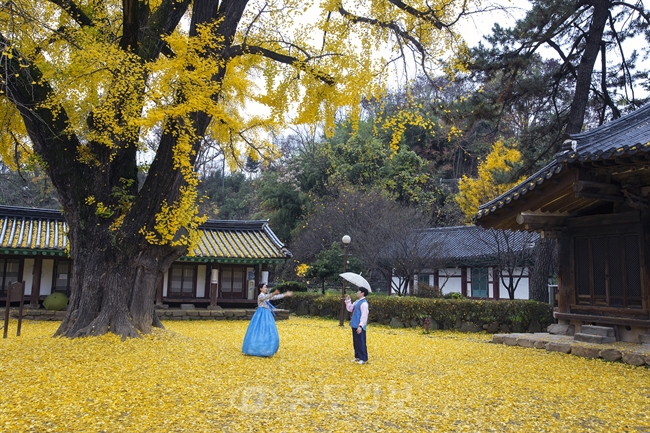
31	231
625	136
472	245
234	241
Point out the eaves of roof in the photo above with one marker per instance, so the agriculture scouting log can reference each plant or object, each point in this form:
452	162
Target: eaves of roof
626	136
515	193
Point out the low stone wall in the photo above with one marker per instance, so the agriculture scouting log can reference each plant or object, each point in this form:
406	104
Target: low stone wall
220	314
629	353
163	314
33	314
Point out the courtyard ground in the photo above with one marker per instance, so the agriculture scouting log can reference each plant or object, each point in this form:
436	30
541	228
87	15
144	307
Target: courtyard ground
193	378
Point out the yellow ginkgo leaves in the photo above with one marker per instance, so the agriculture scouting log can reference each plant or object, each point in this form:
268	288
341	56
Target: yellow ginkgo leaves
193	378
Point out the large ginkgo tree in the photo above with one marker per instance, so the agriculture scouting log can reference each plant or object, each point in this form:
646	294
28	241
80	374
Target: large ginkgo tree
88	85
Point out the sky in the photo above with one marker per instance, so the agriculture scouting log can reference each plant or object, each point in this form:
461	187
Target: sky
475	27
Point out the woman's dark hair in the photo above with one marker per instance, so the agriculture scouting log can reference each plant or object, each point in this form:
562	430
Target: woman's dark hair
260	285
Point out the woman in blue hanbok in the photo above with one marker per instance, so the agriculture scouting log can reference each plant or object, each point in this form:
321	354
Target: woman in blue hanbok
262	337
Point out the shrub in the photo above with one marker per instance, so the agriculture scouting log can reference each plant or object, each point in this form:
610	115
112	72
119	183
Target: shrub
293	286
427	291
446	312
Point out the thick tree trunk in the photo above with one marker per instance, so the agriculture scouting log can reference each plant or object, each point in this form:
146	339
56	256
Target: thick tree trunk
545	259
112	294
114	280
148	275
101	286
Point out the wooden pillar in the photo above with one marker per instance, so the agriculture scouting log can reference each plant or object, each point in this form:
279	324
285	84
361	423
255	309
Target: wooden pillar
495	284
214	285
645	259
36	282
463	281
214	289
565	282
436	278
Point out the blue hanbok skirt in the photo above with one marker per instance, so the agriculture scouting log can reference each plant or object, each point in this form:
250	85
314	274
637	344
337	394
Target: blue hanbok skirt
262	338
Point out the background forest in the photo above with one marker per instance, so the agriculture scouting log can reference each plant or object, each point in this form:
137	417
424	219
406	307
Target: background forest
430	152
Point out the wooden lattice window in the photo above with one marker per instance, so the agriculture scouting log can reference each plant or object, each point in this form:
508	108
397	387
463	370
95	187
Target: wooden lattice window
9	273
608	270
479	282
62	276
232	282
181	280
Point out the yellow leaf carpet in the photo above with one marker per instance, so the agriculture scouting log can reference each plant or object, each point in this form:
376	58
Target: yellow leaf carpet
193	378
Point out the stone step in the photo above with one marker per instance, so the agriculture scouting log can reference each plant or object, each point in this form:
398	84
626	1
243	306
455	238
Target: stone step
557	329
604	331
644	339
591	338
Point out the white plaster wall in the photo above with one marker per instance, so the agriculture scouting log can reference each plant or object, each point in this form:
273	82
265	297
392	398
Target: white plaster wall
449	280
47	272
28	275
165	282
522	290
200	281
394	283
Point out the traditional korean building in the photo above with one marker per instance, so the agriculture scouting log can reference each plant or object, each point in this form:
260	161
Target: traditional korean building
223	269
593	198
476	262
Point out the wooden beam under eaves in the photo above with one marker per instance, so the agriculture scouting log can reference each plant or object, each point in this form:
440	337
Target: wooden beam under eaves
602	197
541	222
585	186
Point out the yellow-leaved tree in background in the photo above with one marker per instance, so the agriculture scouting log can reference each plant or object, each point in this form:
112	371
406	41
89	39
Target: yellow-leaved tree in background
494	178
86	83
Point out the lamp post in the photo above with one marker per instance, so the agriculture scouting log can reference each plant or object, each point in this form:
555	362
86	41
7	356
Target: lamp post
346	240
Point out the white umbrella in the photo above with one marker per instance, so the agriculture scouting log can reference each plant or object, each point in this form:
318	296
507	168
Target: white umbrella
356	279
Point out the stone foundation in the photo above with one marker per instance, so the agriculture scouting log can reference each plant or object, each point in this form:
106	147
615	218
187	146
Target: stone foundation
629	353
163	314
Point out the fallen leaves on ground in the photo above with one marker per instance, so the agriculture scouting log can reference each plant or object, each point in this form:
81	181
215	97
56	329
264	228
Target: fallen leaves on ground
193	378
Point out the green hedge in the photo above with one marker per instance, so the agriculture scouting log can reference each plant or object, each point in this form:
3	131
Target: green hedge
293	286
448	313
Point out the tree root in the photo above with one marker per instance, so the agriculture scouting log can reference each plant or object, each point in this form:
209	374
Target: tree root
156	322
78	324
72	321
117	323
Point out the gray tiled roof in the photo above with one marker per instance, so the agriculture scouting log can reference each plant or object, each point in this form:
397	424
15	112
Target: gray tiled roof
466	245
627	135
30	230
